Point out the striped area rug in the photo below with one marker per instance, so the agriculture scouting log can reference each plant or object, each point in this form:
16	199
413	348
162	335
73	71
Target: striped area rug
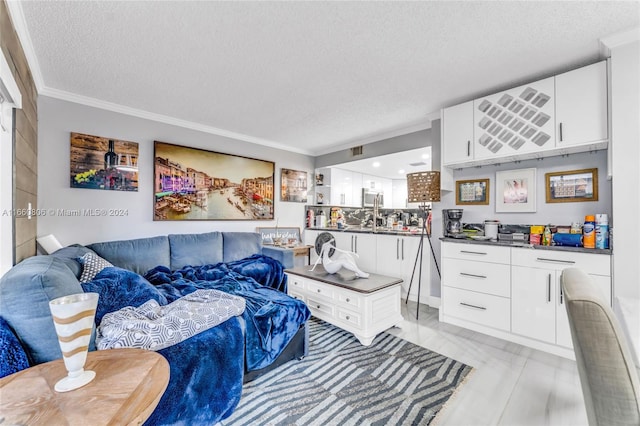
341	382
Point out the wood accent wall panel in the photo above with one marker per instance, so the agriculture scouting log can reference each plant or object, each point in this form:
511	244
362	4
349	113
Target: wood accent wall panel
25	163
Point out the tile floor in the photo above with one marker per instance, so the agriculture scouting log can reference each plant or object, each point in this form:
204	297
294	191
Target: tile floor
512	385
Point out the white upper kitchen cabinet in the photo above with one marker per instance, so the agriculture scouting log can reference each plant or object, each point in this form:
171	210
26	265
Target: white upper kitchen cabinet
457	133
515	121
341	188
581	105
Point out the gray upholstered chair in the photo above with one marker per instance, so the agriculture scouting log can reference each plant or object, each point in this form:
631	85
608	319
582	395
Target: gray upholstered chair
608	374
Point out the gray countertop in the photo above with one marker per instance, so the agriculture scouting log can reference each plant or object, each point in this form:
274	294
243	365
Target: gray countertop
525	245
380	230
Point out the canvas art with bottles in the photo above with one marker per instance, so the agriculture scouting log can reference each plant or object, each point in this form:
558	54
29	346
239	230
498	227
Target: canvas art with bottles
102	163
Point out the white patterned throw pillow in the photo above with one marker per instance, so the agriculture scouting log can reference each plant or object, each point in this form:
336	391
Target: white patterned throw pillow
92	264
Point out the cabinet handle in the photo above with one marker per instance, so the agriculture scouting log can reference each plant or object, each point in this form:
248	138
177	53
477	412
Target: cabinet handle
319	291
397	248
402	249
473	306
561	295
543	259
356	245
560	132
352	243
348	317
472	252
347	300
317	306
472	275
468	148
549	288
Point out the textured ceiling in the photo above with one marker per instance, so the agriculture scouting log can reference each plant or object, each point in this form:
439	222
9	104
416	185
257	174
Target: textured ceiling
312	77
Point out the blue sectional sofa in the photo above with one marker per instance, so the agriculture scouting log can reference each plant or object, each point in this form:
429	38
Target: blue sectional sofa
208	369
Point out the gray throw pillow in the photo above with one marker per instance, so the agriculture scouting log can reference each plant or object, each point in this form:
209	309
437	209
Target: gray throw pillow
92	264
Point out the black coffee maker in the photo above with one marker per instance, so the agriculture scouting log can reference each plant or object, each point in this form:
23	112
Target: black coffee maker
452	223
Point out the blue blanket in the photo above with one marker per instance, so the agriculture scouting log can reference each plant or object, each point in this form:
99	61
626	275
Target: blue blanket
272	318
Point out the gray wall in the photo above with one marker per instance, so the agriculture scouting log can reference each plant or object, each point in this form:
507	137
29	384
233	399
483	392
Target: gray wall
59	118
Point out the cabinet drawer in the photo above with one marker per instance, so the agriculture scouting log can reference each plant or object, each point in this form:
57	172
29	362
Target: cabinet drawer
318	289
316	305
347	299
481	277
479	252
350	317
598	264
296	295
484	309
296	282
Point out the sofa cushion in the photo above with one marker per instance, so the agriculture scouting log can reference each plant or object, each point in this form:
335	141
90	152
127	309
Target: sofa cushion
70	255
92	264
119	288
138	255
13	358
195	249
25	292
238	245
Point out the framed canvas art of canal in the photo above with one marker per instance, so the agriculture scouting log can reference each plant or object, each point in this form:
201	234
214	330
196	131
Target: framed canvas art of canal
197	184
102	163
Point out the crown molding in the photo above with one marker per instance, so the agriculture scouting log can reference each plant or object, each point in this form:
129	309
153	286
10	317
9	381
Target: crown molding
618	39
20	25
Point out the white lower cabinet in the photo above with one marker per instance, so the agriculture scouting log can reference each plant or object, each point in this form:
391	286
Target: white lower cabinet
391	255
537	303
515	293
396	257
476	285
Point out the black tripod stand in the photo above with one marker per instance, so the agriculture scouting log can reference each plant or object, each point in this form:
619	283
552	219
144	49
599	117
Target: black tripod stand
423	232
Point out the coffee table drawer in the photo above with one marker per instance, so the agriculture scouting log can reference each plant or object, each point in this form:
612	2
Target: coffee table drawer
319	289
350	317
316	305
348	299
296	283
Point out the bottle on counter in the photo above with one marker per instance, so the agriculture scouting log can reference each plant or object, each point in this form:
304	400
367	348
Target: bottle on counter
311	220
602	231
546	236
589	232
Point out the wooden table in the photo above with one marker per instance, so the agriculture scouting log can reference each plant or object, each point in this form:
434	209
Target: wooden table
128	386
303	251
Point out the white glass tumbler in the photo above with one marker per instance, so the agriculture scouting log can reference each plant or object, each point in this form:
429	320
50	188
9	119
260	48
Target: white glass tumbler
73	318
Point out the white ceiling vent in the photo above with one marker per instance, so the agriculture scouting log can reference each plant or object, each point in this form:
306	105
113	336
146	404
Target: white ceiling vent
356	150
418	164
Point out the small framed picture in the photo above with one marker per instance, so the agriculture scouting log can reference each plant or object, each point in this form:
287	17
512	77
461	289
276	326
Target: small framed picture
475	191
516	191
572	186
293	185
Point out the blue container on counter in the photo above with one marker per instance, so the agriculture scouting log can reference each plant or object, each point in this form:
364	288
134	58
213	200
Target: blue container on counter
571	240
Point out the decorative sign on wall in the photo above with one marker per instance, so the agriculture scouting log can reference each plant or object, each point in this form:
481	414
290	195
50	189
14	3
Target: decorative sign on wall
293	185
470	192
102	163
572	186
196	184
516	191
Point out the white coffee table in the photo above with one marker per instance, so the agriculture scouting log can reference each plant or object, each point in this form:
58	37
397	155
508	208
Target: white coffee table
362	306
